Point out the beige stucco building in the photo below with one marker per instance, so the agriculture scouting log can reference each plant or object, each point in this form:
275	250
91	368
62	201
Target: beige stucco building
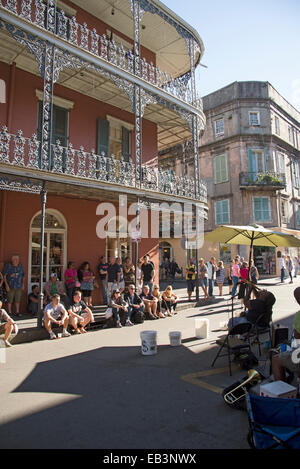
249	159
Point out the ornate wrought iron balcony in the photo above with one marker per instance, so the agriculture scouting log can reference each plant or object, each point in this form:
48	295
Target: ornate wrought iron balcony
23	152
265	180
68	29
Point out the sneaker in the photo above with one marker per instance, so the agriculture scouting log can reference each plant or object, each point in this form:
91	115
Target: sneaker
118	324
7	343
66	334
129	323
52	335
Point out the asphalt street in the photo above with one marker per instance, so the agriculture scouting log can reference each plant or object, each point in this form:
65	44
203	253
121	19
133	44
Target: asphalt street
98	391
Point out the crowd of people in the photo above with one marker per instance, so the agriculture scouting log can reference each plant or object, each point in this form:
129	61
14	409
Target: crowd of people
214	272
288	267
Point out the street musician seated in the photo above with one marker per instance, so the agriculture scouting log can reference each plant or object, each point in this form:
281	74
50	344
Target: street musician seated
261	306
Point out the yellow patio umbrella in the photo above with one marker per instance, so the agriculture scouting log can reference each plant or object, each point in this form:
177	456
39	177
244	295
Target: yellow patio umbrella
251	235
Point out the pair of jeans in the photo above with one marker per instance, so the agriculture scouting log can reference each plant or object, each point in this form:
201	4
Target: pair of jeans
104	291
131	311
211	284
235	281
282	275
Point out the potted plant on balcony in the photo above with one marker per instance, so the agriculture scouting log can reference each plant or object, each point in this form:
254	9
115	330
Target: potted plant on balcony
268	179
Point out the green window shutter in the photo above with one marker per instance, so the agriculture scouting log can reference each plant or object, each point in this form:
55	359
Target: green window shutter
126	141
222	212
261	206
102	137
220	168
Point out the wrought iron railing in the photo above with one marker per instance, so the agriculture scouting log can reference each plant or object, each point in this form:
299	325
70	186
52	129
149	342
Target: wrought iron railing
267	178
24	152
79	35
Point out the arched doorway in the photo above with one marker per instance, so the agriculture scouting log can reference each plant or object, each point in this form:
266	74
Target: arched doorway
54	247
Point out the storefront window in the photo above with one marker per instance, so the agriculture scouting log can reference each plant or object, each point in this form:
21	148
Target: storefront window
265	260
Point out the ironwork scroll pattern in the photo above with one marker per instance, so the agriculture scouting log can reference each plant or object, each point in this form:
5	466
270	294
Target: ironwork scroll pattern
53	19
20	151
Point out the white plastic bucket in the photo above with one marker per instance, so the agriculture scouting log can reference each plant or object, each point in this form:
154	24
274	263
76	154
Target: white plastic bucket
202	328
149	345
175	338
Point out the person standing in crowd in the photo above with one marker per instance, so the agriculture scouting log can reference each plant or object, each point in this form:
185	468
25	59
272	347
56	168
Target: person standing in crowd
296	264
14	278
220	276
113	277
121	272
79	314
290	267
139	281
174	268
55	286
71	279
86	278
102	269
203	277
190	275
128	272
235	276
229	273
244	276
148	273
282	267
8	327
254	275
211	274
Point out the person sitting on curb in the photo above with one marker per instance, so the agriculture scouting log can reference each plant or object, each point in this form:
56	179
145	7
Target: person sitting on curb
118	304
287	360
55	313
169	300
8	327
161	310
134	302
79	313
150	303
33	300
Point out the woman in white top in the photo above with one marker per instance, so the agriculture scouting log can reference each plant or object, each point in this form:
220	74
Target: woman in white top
139	281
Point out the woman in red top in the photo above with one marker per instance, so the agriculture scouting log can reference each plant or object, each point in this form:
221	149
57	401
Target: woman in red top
244	275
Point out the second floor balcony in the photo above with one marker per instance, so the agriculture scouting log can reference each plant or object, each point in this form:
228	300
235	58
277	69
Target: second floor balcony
22	155
262	180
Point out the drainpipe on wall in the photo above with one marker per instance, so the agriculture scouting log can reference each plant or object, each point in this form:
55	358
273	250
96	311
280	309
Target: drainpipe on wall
41	294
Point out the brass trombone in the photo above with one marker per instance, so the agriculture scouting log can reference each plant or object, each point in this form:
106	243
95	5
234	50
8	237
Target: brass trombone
233	396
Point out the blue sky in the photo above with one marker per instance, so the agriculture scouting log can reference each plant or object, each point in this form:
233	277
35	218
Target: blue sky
256	40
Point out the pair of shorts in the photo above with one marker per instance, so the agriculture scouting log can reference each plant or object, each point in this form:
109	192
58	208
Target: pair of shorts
190	285
203	282
14	295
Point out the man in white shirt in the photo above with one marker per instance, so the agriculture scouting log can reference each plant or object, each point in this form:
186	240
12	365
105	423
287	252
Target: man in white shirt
55	313
282	267
211	275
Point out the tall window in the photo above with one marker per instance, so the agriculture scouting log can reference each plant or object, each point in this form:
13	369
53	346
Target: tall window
297	209
261	209
54	247
60	117
256	162
219	127
114	138
277	126
222	212
291	135
281	163
220	169
254	118
295	173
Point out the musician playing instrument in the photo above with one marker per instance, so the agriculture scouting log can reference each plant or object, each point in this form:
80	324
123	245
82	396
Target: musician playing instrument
261	305
284	360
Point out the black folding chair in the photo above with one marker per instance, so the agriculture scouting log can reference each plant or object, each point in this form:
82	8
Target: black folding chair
260	328
234	344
